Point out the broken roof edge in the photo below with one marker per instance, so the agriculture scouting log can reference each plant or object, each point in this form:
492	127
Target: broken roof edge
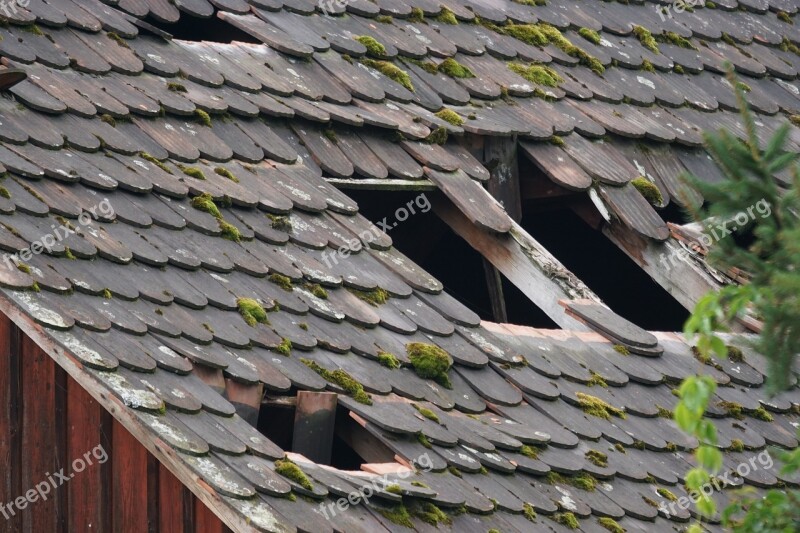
161	450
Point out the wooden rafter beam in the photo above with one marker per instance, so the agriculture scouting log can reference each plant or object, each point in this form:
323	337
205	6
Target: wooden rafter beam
524	262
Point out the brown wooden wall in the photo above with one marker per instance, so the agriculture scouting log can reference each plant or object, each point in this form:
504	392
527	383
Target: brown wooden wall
46	422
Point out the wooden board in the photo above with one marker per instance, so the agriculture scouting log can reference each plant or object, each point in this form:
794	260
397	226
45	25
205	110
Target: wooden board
472	200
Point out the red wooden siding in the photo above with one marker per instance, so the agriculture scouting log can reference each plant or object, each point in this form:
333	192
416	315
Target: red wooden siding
47	421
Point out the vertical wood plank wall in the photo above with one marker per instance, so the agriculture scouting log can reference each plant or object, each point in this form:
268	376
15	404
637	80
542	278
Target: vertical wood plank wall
47	421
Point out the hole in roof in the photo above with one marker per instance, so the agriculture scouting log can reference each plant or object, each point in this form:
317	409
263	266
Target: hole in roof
276	421
615	278
430	243
197	29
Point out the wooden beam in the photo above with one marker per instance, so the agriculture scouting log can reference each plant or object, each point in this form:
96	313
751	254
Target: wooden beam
686	281
129	497
246	399
496	297
500	158
314	424
525	263
85	494
10	450
38	379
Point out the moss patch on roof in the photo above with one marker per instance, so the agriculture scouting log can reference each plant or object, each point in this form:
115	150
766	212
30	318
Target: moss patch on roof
290	470
374	48
538	74
252	312
594	406
430	362
345	381
391	71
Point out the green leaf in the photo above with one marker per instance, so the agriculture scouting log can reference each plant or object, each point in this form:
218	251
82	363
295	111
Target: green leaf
706	505
696	478
709	458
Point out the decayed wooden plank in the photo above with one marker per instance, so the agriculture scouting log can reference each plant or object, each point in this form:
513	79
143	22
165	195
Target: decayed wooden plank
314	422
9	417
86	494
129	482
557	165
37	384
526	264
477	205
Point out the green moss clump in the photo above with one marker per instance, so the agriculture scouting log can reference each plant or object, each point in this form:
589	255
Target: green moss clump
375	297
108	119
678	69
450	116
784	16
528	512
68	253
284	348
666	493
620	448
394	489
280	223
284	282
431	514
35	287
567	520
203	117
648	66
762	414
417	15
735	354
590	35
454	69
583	481
193	172
422	439
156	162
671	447
176	87
447	17
205	203
646	38
427	413
732	408
527	33
430	362
556	140
374	48
483	471
664	413
596	379
538	74
391	71
32	28
251	311
22	267
649	190
291	471
620	349
4	192
225	173
437	136
455	471
339	377
388	360
610	524
531	452
397	515
229	231
317	290
594	406
597	458
675	39
384	19
119	40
